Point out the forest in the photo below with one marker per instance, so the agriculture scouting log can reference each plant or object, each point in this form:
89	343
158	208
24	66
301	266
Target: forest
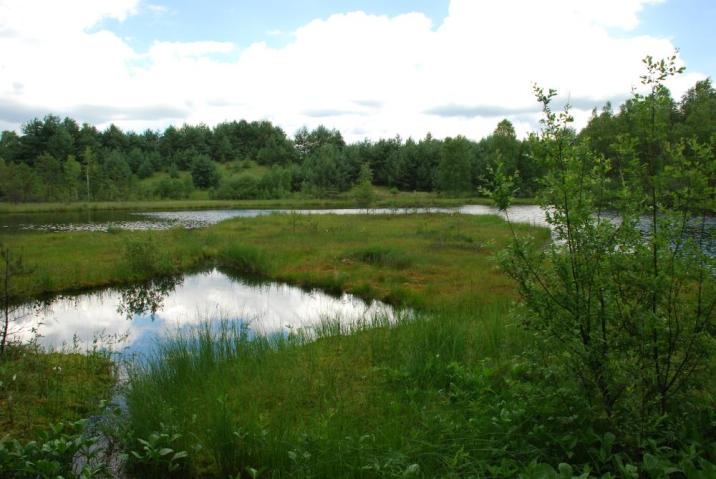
58	160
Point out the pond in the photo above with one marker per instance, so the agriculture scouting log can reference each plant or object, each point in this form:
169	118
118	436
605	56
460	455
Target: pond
130	319
156	220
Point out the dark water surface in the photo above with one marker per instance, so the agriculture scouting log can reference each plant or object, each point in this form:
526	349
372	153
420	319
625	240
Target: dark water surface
134	317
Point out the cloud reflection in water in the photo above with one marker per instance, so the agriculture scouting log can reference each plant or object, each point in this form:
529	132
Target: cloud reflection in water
144	312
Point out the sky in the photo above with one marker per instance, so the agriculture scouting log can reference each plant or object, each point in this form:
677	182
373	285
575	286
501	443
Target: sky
372	69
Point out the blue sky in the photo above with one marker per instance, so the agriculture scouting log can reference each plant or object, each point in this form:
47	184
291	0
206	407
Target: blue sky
692	26
248	21
369	68
690	23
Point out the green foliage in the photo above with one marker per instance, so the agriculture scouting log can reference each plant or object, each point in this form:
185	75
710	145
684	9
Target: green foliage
52	455
363	190
242	187
275	183
114	181
155	456
623	309
309	142
72	178
322	172
454	170
172	188
20	183
146	168
89	166
697	112
204	172
49	169
502	188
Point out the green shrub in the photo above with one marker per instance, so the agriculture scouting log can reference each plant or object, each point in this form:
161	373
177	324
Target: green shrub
623	311
173	188
242	187
204	172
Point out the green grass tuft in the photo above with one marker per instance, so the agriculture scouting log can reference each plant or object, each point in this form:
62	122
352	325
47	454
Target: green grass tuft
382	256
246	259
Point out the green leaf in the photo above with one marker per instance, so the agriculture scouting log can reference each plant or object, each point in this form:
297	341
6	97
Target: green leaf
165	450
180	455
565	471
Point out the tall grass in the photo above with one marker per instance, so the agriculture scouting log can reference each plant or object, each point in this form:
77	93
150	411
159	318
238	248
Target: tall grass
337	400
246	259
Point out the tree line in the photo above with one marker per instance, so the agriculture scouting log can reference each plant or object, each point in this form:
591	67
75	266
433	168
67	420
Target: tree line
60	160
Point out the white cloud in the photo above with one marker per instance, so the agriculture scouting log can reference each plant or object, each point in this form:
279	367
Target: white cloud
176	51
158	9
44	18
367	75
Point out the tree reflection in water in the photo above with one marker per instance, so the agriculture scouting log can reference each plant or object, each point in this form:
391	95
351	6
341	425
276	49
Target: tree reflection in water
146	298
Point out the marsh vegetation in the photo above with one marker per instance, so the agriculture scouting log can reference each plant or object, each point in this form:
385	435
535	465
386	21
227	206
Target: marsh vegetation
580	350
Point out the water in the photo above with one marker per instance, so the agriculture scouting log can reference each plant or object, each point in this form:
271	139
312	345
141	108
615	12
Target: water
159	220
106	220
134	317
529	214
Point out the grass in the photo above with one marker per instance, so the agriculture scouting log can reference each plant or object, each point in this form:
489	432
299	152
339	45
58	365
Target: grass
446	389
310	251
379	255
371	400
367	401
39	388
245	259
73	262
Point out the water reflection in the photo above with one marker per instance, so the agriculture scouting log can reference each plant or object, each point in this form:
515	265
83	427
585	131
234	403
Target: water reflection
159	220
146	298
142	313
529	214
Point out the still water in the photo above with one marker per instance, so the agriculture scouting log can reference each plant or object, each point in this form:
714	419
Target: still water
157	220
135	317
128	220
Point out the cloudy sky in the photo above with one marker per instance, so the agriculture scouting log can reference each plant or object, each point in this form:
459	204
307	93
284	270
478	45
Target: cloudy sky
371	68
